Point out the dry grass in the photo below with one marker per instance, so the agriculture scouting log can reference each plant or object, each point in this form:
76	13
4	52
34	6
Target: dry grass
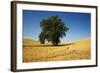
33	51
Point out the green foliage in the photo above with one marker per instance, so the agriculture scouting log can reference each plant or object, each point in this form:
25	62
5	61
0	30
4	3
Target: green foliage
53	29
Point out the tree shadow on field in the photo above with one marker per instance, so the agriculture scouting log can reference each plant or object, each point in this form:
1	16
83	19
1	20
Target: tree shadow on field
49	45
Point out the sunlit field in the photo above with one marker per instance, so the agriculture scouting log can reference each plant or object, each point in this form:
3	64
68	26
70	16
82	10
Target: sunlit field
33	51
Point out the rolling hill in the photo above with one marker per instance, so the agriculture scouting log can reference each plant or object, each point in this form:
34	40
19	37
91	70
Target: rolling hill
33	51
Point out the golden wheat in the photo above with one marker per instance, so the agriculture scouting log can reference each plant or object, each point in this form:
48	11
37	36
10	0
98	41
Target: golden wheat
33	51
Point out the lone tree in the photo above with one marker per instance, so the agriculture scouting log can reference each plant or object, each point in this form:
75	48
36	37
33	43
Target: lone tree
53	29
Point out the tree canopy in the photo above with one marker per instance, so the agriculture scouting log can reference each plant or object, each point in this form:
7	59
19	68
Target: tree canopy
53	29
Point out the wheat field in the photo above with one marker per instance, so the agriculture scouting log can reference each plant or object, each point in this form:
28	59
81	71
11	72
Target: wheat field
33	51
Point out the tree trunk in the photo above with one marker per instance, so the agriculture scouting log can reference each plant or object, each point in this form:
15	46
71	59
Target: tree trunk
55	44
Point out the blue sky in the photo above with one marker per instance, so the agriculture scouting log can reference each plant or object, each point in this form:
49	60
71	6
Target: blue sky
79	24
